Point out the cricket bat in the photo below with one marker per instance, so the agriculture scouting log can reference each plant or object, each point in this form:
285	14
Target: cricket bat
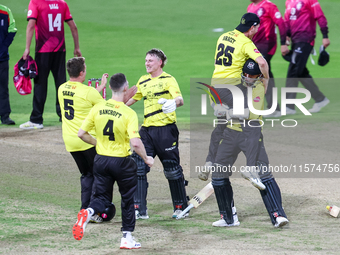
198	199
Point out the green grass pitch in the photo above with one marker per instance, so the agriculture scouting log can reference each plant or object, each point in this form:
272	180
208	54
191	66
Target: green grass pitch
114	36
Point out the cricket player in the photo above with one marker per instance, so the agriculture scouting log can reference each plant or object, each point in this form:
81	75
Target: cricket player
76	101
265	40
232	51
234	141
46	20
159	133
300	19
116	126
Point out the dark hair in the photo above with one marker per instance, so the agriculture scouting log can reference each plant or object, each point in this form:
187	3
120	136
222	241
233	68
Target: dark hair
117	81
159	54
74	66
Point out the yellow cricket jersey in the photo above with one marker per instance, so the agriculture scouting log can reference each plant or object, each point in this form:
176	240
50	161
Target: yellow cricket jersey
258	103
76	101
232	50
151	90
115	124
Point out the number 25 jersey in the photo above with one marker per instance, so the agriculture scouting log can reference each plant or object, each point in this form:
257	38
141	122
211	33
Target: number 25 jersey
232	51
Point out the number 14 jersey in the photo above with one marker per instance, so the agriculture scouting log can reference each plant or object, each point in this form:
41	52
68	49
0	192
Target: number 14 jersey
50	16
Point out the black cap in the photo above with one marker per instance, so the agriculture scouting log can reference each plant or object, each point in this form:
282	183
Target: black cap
251	67
247	21
323	58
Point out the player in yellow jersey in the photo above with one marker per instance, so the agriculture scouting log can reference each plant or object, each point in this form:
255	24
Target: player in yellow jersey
76	101
159	132
232	50
236	140
116	126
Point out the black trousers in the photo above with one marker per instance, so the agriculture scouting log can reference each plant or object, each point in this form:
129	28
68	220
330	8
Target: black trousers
47	62
161	141
5	108
84	161
297	71
107	171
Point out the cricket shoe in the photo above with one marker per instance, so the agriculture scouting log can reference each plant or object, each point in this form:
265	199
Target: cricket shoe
140	216
128	242
204	175
95	218
31	125
317	106
79	228
280	221
178	212
252	176
223	223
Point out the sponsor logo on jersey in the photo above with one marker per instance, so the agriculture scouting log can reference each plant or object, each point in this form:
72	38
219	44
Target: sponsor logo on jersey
256	51
54	6
278	15
257	99
29	13
260	12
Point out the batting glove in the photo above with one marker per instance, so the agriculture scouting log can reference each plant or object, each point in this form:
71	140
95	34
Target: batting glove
220	110
169	105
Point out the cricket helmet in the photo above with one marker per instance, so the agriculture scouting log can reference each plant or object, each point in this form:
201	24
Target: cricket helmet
109	212
250	68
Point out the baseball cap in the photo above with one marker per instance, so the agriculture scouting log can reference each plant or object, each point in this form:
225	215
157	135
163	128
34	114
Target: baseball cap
323	57
247	21
251	67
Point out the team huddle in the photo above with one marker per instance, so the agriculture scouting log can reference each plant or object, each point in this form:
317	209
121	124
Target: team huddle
104	137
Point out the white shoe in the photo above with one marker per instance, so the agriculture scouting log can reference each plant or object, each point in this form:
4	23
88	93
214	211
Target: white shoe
290	111
222	223
31	125
281	221
275	114
96	219
79	228
204	175
128	242
178	212
252	176
139	216
317	106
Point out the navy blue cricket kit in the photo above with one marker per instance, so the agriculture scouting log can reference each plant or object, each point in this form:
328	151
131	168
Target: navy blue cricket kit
84	160
161	141
108	170
297	71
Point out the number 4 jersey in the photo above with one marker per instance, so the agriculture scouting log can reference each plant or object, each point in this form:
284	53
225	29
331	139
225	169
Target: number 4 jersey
115	124
50	16
232	50
76	100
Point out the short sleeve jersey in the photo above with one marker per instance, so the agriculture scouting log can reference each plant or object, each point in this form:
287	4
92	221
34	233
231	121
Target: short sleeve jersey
115	124
232	50
151	90
76	100
50	16
258	97
300	18
269	17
